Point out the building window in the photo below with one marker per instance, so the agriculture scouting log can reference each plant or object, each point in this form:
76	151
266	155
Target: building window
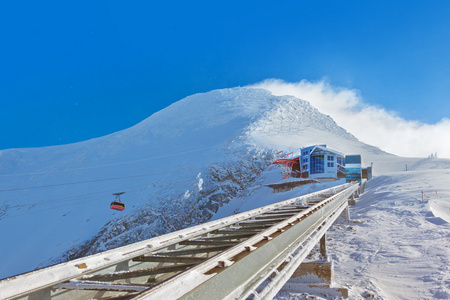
331	158
317	164
353	159
330	165
305	160
305	167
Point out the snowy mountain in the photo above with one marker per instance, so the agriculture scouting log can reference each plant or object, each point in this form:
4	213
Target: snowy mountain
205	156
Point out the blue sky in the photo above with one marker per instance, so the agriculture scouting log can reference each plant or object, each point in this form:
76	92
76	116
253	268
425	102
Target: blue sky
75	70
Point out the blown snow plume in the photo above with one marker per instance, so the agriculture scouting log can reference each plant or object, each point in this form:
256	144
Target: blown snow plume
178	167
387	129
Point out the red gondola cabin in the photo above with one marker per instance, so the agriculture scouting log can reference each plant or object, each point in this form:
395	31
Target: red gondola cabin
117	205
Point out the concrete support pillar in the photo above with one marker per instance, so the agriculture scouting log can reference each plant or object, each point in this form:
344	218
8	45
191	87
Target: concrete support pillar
352	200
323	247
315	277
346	212
315	271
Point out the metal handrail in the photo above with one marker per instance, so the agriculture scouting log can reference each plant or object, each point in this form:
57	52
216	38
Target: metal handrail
234	281
27	283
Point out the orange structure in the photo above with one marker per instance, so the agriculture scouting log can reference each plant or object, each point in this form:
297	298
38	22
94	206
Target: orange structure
287	163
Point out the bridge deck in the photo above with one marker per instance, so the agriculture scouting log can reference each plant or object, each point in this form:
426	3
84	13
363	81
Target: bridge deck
241	255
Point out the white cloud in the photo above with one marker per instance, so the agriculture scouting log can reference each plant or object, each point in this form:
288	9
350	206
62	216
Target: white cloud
370	124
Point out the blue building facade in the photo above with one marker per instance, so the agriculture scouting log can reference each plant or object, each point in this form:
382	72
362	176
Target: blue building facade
321	162
353	168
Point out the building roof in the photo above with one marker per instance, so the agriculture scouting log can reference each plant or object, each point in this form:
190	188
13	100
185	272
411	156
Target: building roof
322	149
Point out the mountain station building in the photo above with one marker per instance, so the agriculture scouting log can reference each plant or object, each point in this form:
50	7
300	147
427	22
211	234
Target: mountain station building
318	163
321	162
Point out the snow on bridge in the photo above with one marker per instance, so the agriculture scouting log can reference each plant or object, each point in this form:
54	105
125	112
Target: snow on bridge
248	255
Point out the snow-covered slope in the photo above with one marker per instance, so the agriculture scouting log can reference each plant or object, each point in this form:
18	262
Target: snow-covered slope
394	247
178	167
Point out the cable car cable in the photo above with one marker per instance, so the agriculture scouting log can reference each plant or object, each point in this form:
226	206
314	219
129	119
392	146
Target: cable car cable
114	164
75	198
87	181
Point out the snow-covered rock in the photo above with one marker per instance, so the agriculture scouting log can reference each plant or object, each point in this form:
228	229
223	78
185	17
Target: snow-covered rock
205	156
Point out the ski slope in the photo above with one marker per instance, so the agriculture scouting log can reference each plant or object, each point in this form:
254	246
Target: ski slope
206	157
396	245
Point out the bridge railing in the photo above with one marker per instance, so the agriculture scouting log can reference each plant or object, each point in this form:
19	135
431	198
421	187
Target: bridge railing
33	283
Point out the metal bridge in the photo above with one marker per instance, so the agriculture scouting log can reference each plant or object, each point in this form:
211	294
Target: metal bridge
245	256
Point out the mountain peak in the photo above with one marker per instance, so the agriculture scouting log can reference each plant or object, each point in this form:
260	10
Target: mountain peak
177	167
250	109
